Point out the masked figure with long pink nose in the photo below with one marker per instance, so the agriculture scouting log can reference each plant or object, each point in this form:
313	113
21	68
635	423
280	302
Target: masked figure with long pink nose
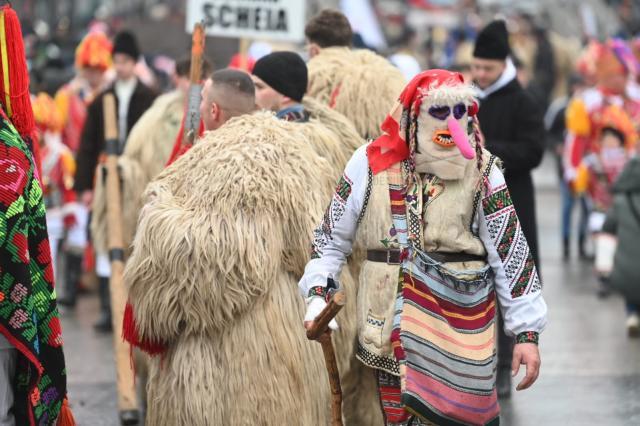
429	208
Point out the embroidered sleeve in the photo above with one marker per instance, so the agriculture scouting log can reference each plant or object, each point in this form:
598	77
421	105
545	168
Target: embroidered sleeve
333	238
516	279
528	337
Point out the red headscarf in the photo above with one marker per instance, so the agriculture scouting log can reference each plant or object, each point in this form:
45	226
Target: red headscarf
391	147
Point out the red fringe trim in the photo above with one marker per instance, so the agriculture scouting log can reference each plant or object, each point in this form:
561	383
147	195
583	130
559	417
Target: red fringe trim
66	416
130	334
21	111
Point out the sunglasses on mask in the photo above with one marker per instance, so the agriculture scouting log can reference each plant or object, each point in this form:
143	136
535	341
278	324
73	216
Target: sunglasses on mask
443	112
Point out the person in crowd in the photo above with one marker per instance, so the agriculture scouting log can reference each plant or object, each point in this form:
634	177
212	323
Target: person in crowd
132	98
513	129
623	221
342	77
555	125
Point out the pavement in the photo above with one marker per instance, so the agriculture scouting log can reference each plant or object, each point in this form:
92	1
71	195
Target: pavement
590	372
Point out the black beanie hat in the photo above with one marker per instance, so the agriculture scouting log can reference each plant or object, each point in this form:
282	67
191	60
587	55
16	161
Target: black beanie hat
285	72
493	42
126	43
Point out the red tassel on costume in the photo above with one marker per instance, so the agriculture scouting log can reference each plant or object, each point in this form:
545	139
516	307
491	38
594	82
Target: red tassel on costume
19	111
65	418
130	334
14	81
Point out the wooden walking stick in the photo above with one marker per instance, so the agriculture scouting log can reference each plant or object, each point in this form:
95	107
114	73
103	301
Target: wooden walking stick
320	332
127	398
192	122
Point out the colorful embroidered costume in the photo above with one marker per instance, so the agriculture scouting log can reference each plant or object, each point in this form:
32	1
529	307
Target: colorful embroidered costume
33	374
586	113
28	313
444	249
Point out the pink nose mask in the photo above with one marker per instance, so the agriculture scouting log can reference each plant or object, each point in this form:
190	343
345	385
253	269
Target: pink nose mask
460	139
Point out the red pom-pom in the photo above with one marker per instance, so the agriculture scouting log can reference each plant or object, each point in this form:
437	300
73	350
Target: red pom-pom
473	109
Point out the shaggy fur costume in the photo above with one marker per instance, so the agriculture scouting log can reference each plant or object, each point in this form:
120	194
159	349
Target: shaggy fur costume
357	83
346	135
146	152
334	137
220	245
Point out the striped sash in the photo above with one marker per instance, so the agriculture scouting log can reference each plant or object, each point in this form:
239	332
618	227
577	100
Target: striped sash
444	330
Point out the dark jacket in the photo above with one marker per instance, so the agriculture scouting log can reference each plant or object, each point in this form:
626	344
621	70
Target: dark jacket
623	220
92	140
512	124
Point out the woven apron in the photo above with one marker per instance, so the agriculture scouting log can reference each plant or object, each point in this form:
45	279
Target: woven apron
444	328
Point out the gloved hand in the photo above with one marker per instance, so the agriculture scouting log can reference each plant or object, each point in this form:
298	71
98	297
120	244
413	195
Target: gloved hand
315	305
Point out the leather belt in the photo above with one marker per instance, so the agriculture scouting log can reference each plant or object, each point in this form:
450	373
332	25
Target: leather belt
392	256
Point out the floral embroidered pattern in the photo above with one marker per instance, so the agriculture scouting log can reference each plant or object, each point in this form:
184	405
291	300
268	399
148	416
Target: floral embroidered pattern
28	313
318	291
528	337
510	242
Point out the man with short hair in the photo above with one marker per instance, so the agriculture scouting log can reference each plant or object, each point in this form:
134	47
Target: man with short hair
227	94
512	124
345	79
318	37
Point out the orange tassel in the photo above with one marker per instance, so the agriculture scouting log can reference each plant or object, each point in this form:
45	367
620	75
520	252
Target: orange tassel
66	416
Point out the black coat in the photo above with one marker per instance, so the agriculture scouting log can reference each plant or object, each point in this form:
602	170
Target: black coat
92	140
512	124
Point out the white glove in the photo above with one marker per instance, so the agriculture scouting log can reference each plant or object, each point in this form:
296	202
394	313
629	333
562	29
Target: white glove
315	305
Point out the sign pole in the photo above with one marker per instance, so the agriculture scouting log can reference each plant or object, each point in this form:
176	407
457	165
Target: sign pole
192	124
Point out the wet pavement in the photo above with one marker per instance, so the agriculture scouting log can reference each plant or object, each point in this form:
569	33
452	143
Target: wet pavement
590	371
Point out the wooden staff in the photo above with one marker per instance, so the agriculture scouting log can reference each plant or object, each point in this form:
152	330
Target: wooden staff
192	123
319	331
127	398
244	53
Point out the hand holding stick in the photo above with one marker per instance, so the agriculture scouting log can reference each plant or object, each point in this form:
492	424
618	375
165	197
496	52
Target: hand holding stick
319	330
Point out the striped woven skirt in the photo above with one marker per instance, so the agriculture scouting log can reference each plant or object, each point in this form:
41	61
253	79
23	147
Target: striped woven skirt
444	339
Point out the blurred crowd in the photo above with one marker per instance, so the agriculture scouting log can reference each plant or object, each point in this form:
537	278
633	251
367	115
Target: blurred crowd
588	85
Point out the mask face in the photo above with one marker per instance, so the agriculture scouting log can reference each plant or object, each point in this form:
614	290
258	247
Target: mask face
442	128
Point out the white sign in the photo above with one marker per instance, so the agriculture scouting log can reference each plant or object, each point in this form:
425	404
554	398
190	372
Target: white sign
281	20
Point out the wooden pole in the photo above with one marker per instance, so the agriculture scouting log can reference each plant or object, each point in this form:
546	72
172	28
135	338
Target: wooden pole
127	398
244	53
319	331
192	123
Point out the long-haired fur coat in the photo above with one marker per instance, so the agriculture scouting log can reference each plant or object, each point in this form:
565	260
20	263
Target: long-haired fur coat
220	245
360	84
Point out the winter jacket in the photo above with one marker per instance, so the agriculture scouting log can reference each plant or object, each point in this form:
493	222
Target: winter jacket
513	127
623	220
92	140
